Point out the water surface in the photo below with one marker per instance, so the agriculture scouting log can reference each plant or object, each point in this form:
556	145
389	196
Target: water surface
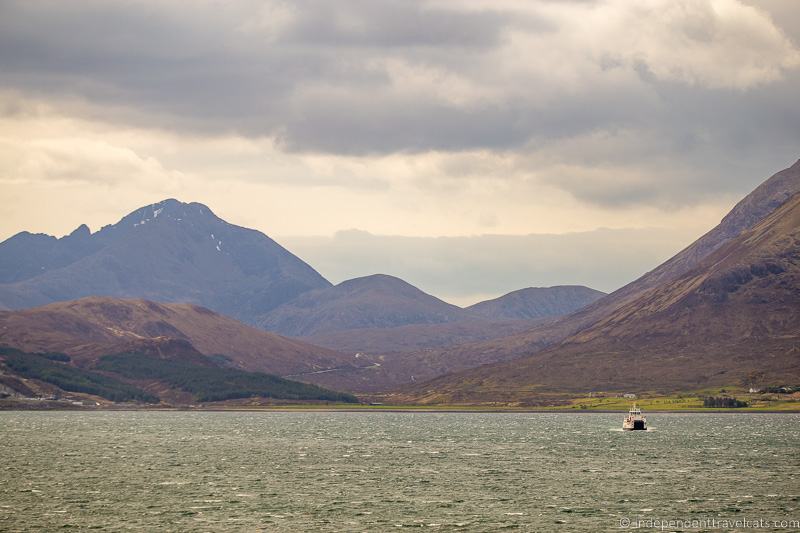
256	471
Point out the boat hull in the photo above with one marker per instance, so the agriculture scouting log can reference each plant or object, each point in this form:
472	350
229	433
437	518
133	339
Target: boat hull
637	425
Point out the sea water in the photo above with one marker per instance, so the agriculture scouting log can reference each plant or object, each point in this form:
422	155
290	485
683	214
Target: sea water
337	471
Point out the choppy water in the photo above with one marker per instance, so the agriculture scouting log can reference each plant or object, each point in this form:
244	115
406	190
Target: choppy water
202	471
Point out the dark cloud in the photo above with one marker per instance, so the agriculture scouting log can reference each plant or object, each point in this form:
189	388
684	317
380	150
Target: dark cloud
394	23
217	68
318	77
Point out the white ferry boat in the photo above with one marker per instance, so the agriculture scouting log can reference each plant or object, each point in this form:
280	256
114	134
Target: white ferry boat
634	420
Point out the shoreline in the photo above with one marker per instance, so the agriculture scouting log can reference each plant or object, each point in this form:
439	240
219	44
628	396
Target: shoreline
432	410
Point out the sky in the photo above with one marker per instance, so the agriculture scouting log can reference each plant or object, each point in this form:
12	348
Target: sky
470	147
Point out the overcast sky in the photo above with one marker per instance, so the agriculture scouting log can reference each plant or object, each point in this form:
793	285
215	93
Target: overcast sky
632	126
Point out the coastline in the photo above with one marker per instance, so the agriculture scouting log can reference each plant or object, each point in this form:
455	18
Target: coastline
392	409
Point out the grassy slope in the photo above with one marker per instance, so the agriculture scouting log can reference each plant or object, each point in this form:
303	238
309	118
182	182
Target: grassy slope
211	383
204	380
53	370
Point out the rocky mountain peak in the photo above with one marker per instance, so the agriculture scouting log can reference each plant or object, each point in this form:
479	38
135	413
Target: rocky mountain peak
169	251
81	231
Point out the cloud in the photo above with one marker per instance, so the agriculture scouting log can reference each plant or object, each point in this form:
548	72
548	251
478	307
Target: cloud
38	146
438	117
711	43
385	76
386	24
617	180
684	97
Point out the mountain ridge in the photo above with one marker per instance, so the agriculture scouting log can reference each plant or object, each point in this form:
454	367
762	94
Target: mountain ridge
770	194
168	251
375	301
734	315
536	302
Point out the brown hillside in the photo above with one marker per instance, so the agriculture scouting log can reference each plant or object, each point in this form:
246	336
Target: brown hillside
91	327
745	215
737	312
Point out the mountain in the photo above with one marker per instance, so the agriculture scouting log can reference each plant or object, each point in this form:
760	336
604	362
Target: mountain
536	302
26	255
753	208
89	328
377	301
401	329
388	317
771	194
169	251
384	314
177	252
732	315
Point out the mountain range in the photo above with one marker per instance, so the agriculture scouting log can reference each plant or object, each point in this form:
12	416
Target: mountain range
182	252
721	310
382	314
170	280
536	302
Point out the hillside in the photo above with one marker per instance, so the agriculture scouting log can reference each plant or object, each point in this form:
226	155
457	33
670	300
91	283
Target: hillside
734	315
169	251
536	302
89	328
377	301
145	378
401	330
748	212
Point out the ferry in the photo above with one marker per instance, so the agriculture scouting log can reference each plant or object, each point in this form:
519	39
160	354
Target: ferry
634	420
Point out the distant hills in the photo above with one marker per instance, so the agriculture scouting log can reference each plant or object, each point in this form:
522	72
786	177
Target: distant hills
536	302
377	301
720	312
169	251
382	302
178	252
412	338
90	328
382	315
